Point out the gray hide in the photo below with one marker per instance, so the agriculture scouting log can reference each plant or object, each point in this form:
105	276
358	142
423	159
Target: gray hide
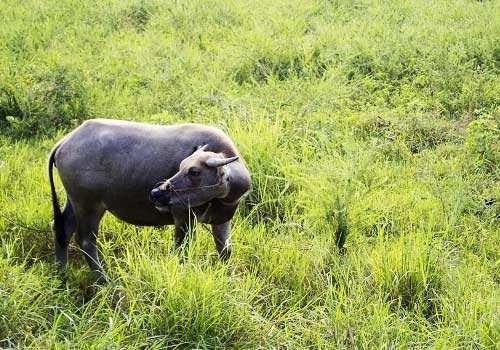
147	175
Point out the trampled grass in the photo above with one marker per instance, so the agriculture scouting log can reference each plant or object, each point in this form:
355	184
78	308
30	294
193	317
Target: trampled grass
371	130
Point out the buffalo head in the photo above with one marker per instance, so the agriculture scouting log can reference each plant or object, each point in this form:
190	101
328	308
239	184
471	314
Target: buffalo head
202	177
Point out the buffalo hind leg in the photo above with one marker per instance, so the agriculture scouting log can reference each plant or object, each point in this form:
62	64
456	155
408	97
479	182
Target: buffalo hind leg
62	237
221	233
86	231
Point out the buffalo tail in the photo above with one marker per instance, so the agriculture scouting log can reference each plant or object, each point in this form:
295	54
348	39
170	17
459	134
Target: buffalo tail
58	224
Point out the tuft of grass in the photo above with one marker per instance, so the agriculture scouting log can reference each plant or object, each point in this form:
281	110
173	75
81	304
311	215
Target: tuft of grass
342	227
410	275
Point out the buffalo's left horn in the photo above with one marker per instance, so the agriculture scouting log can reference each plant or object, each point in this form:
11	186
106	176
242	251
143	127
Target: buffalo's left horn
216	162
201	148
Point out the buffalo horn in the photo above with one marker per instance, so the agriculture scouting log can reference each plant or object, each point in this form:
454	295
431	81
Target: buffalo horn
216	162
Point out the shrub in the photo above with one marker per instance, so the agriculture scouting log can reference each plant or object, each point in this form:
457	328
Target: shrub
282	66
44	102
481	142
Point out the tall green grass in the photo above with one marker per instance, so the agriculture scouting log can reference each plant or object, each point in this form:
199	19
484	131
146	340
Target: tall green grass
371	130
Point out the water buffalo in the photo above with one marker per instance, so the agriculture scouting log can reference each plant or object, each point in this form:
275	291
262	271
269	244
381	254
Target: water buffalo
148	175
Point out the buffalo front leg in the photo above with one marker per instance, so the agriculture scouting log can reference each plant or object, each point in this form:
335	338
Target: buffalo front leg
183	231
221	233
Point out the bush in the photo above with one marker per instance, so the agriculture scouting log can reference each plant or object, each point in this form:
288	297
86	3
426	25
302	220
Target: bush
481	142
282	66
43	102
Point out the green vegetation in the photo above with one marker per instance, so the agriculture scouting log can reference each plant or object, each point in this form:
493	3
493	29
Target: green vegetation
371	130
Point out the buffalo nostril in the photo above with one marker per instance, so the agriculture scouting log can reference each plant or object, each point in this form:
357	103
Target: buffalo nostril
155	193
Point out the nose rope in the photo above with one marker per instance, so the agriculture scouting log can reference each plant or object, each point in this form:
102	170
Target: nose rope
163	185
164	188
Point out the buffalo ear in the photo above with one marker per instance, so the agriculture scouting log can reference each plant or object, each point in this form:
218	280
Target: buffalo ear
217	162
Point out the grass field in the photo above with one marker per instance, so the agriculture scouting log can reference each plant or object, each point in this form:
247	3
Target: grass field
374	123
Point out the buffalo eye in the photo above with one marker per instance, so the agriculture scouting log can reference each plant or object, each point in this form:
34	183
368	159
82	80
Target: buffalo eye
194	172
